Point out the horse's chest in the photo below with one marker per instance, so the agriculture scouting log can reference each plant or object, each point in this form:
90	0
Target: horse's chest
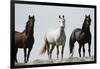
30	41
84	37
61	39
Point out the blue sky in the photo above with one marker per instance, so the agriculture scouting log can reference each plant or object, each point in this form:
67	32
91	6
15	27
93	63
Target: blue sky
46	17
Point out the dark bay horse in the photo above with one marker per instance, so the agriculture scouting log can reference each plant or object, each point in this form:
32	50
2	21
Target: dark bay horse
25	39
82	36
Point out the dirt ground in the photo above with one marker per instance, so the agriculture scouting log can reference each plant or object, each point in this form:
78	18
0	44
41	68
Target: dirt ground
65	60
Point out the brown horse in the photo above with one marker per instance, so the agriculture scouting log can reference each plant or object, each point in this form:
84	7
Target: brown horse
25	39
82	36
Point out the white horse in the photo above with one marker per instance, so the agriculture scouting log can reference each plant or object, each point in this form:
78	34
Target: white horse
56	38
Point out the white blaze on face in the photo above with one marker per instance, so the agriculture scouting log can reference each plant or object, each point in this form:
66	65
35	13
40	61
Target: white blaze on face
61	22
64	22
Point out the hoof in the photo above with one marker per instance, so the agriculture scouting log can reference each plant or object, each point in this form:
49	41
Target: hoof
25	61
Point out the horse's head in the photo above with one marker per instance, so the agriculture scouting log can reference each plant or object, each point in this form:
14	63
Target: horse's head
31	21
30	24
87	21
62	21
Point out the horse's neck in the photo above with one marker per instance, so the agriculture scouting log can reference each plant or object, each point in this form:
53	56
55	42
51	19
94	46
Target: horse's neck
61	31
30	34
86	30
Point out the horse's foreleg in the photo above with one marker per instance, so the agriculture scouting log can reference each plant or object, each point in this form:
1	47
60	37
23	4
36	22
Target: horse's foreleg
83	50
25	55
62	51
79	50
29	50
48	50
57	52
15	59
89	49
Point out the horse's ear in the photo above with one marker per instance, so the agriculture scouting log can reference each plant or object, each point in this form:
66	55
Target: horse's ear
89	15
33	16
29	16
63	16
59	16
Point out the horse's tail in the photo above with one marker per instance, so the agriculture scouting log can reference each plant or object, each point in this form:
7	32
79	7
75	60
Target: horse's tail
43	50
71	43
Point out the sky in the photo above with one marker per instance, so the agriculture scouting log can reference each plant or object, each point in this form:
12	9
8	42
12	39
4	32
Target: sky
46	17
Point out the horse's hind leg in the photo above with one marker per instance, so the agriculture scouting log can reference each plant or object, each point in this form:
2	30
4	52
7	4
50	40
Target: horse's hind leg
51	51
25	54
29	50
79	50
48	50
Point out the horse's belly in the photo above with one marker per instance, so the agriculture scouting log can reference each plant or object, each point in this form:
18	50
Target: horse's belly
18	44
